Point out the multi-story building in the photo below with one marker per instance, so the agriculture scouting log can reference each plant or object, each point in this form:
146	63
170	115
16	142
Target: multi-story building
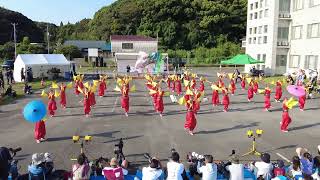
285	34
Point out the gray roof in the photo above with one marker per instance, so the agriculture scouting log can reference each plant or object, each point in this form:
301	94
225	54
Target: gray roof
88	44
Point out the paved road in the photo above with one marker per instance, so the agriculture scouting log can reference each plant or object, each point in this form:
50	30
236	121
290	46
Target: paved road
144	131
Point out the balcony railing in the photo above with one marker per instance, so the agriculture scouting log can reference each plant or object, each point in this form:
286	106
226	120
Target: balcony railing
283	44
285	15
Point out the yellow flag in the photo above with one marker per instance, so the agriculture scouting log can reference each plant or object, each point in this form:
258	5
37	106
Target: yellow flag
166	94
133	88
273	83
119	81
186	82
215	87
86	85
79	89
81	77
95	82
117	88
249	80
230	75
147	77
75	78
189	92
261	91
44	94
182	101
69	85
93	88
55	85
291	103
56	93
152	92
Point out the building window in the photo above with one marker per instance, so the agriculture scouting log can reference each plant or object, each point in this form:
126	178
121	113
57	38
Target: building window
265	39
258	56
250	30
255	30
311	62
251	6
260	14
284	6
283	33
260	30
294	61
266	3
127	45
259	40
254	40
313	30
314	3
255	15
264	57
297	5
256	5
251	16
296	32
266	12
265	28
281	60
250	40
261	3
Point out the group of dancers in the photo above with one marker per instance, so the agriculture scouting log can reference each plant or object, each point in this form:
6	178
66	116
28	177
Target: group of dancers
189	86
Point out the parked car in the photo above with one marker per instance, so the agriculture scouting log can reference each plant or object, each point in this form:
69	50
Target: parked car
256	72
8	64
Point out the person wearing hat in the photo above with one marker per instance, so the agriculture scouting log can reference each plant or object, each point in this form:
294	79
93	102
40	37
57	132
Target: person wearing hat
264	168
236	169
114	165
48	162
154	171
37	168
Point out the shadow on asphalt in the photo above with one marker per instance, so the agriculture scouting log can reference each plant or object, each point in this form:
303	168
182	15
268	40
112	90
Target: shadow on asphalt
304	127
241	126
124	138
282	147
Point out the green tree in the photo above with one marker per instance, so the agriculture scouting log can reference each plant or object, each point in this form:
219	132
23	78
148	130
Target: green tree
69	51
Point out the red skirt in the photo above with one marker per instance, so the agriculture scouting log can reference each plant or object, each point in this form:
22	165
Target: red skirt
39	130
92	99
63	98
286	120
250	94
267	103
76	91
278	94
302	102
159	105
201	88
86	105
215	98
52	106
178	88
101	90
196	107
225	102
191	121
125	103
243	84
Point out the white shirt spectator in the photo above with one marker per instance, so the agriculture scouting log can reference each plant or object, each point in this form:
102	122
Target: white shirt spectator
264	169
149	173
174	170
316	176
236	171
124	171
209	171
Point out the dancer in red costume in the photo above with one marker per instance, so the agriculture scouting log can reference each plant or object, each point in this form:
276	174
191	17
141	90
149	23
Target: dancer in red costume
76	87
220	82
63	98
196	101
250	93
232	86
178	87
278	93
215	97
201	84
40	131
125	97
255	87
225	100
52	105
159	102
168	81
302	102
92	97
267	93
193	83
102	86
86	102
286	119
191	120
243	83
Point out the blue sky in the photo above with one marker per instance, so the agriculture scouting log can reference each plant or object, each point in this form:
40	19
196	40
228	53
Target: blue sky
55	11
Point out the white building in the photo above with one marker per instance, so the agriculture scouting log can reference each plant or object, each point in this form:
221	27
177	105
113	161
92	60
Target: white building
283	33
126	49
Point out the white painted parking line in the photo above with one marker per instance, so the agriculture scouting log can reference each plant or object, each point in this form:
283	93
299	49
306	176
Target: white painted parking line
284	158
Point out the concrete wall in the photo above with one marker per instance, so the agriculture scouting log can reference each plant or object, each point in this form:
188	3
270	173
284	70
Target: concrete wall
146	46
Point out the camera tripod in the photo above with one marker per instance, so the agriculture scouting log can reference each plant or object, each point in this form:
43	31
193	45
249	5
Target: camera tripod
253	150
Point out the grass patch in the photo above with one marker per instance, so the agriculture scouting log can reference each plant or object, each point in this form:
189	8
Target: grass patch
94	69
273	78
19	88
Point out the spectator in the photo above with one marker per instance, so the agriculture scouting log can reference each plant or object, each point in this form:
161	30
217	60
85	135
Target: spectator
264	167
114	167
237	75
279	169
128	69
5	159
37	168
236	170
10	92
154	171
306	161
295	169
48	163
8	76
316	163
174	167
22	73
81	170
27	88
210	170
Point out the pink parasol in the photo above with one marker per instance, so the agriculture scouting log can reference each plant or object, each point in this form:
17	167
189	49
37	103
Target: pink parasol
297	91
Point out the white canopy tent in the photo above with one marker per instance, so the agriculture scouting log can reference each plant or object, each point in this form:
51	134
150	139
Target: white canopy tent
40	64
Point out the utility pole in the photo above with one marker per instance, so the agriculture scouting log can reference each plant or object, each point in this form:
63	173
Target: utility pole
15	39
48	38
